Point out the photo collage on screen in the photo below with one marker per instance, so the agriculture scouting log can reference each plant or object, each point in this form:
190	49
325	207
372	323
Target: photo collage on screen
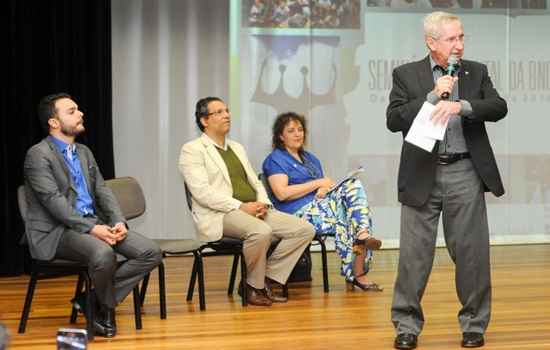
328	14
460	4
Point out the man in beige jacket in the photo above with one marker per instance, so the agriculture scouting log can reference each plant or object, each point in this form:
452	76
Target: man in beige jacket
229	200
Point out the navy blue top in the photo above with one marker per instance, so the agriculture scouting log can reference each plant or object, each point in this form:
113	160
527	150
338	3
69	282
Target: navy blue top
84	202
281	162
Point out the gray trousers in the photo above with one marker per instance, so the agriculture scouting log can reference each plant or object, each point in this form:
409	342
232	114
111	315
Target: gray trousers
295	235
112	282
457	194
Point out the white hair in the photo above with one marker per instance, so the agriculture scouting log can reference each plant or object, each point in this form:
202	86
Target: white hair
435	20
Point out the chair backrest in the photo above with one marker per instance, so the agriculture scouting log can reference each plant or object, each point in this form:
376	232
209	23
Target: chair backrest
129	195
22	202
267	187
188	197
23	209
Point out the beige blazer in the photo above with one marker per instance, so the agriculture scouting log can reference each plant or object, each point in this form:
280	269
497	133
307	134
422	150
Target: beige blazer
206	176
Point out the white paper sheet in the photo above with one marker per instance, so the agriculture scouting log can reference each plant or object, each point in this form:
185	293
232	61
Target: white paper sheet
423	133
351	174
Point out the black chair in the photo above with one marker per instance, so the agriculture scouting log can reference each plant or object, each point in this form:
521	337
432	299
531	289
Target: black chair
319	239
131	201
135	297
178	247
224	246
41	269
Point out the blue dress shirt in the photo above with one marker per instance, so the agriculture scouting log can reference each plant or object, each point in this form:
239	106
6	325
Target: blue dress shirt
84	202
281	162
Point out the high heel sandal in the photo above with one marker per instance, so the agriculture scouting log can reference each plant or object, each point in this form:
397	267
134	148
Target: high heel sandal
368	287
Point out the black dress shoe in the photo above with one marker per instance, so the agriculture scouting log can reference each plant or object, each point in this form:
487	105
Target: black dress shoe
405	341
110	318
472	340
104	323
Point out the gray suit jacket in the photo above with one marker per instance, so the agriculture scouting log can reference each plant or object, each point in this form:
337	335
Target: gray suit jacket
411	84
51	197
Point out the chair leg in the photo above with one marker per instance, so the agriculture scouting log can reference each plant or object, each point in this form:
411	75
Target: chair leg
191	288
144	285
285	290
244	285
325	264
74	311
162	291
28	302
90	306
233	275
137	307
200	272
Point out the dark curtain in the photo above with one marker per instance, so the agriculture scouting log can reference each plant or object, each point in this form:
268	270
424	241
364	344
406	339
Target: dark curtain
52	46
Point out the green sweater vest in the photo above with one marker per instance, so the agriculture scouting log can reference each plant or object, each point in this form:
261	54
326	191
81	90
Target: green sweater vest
242	190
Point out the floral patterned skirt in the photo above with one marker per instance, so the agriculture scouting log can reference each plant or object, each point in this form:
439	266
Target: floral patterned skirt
343	212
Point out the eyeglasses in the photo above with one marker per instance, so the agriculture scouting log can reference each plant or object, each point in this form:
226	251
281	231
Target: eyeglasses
218	112
453	40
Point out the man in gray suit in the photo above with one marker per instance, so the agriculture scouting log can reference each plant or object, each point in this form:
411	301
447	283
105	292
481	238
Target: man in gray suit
450	180
73	215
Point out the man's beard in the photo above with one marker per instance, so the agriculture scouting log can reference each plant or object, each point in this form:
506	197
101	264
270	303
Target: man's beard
71	131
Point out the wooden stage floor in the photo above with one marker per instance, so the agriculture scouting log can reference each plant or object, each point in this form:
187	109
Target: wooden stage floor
311	319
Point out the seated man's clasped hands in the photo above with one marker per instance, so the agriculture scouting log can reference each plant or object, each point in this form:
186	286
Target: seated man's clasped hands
110	235
256	209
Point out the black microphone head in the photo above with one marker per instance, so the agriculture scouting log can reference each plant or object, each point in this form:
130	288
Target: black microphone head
452	65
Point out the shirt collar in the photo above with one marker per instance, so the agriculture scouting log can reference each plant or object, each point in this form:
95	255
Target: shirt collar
61	145
434	64
215	144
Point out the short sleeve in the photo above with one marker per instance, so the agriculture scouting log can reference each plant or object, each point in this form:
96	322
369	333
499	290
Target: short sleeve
271	167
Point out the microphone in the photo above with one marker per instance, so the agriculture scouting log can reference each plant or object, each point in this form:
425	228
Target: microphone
452	69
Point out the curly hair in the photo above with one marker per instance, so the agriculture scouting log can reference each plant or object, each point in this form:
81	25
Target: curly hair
281	122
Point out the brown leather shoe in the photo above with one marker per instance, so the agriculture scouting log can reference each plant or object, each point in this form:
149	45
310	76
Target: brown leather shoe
256	297
373	243
271	294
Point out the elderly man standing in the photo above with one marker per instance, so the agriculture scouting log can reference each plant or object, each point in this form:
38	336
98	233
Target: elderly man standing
229	200
450	181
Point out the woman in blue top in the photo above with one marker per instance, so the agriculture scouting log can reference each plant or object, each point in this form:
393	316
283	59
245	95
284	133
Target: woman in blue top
298	186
